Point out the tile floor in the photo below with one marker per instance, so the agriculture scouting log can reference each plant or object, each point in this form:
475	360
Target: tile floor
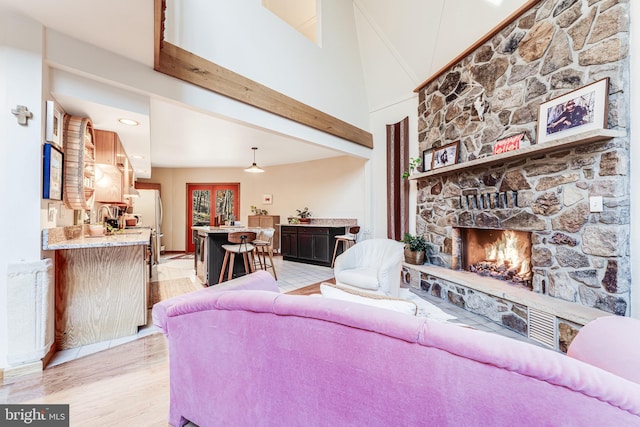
291	275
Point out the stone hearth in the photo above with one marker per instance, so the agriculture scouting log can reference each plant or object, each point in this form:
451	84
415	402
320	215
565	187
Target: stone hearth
550	321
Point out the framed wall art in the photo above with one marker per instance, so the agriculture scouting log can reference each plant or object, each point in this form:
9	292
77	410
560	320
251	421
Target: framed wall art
267	199
445	156
427	159
510	143
53	131
52	173
579	111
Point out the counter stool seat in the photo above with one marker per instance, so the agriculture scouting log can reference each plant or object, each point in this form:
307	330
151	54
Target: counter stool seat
242	244
264	248
347	240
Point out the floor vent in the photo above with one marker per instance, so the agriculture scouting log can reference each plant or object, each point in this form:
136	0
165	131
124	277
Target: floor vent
542	327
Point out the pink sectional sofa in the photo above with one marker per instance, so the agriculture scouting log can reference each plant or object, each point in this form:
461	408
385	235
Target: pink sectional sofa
242	354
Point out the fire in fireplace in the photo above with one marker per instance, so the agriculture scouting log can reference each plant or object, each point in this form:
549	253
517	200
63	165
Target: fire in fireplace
501	254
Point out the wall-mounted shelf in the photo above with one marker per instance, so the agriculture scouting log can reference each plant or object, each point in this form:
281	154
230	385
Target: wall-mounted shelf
79	158
532	150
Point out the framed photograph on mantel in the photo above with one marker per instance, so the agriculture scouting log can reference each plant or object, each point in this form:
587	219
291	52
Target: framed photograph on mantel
579	111
427	159
445	156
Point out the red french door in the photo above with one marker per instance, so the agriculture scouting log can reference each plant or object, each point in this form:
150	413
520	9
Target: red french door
206	202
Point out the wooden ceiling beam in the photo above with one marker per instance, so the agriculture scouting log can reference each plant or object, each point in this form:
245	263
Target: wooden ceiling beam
181	64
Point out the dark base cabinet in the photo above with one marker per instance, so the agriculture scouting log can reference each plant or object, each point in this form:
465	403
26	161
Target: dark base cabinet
312	244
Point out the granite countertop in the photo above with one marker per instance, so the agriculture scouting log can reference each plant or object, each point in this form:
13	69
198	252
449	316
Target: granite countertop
326	222
225	229
128	237
313	225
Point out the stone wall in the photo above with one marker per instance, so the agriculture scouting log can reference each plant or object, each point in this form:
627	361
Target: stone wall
555	47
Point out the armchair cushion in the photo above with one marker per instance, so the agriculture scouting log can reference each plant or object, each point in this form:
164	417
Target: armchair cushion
361	277
369	260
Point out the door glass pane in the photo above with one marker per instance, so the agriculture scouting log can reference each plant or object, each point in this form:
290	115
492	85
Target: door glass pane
201	207
224	204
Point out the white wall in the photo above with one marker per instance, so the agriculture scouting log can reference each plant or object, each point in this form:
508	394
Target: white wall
21	159
245	37
330	188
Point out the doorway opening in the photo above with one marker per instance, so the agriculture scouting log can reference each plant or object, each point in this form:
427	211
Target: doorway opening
211	205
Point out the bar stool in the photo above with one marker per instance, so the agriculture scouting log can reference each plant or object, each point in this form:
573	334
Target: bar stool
347	240
242	245
264	248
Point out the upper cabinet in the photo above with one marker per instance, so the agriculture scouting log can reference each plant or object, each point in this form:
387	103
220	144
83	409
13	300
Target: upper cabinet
116	172
108	146
79	163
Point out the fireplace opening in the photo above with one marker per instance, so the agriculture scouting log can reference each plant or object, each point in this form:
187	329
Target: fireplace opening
501	254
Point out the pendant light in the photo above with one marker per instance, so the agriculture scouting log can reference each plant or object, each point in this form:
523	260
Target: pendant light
254	168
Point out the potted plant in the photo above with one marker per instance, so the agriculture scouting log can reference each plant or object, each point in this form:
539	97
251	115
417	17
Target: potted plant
257	211
414	162
414	248
304	215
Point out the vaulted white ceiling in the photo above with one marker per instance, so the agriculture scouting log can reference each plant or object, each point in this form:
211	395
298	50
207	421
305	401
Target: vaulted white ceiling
402	43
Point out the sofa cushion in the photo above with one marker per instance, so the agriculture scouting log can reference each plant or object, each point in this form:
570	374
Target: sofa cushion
260	280
396	304
361	277
609	343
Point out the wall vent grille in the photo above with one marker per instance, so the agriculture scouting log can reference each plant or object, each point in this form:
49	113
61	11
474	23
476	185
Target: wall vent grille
542	327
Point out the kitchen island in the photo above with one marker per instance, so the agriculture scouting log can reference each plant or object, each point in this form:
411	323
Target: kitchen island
101	285
209	253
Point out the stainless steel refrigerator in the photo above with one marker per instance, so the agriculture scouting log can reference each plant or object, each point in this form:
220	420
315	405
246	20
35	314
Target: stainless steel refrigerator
149	206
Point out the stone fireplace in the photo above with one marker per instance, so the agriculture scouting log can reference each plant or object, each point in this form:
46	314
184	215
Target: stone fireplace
579	251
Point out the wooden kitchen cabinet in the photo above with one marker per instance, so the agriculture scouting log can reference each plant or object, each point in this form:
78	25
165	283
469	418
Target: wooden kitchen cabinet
309	244
101	294
110	155
109	149
267	221
289	242
106	143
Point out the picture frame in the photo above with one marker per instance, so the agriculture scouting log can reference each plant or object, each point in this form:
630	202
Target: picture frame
54	123
267	199
446	155
52	165
575	112
509	143
427	159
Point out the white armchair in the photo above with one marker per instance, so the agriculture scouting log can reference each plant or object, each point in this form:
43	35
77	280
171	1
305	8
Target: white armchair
372	265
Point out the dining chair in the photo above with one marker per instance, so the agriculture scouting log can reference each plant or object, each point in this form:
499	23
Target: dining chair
347	240
240	242
264	249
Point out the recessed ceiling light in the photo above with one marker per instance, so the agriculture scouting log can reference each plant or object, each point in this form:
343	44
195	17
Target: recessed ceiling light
137	157
128	122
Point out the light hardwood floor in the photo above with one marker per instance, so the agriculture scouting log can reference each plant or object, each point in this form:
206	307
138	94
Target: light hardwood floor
127	385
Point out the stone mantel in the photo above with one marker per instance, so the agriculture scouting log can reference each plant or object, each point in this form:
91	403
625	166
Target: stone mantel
532	150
